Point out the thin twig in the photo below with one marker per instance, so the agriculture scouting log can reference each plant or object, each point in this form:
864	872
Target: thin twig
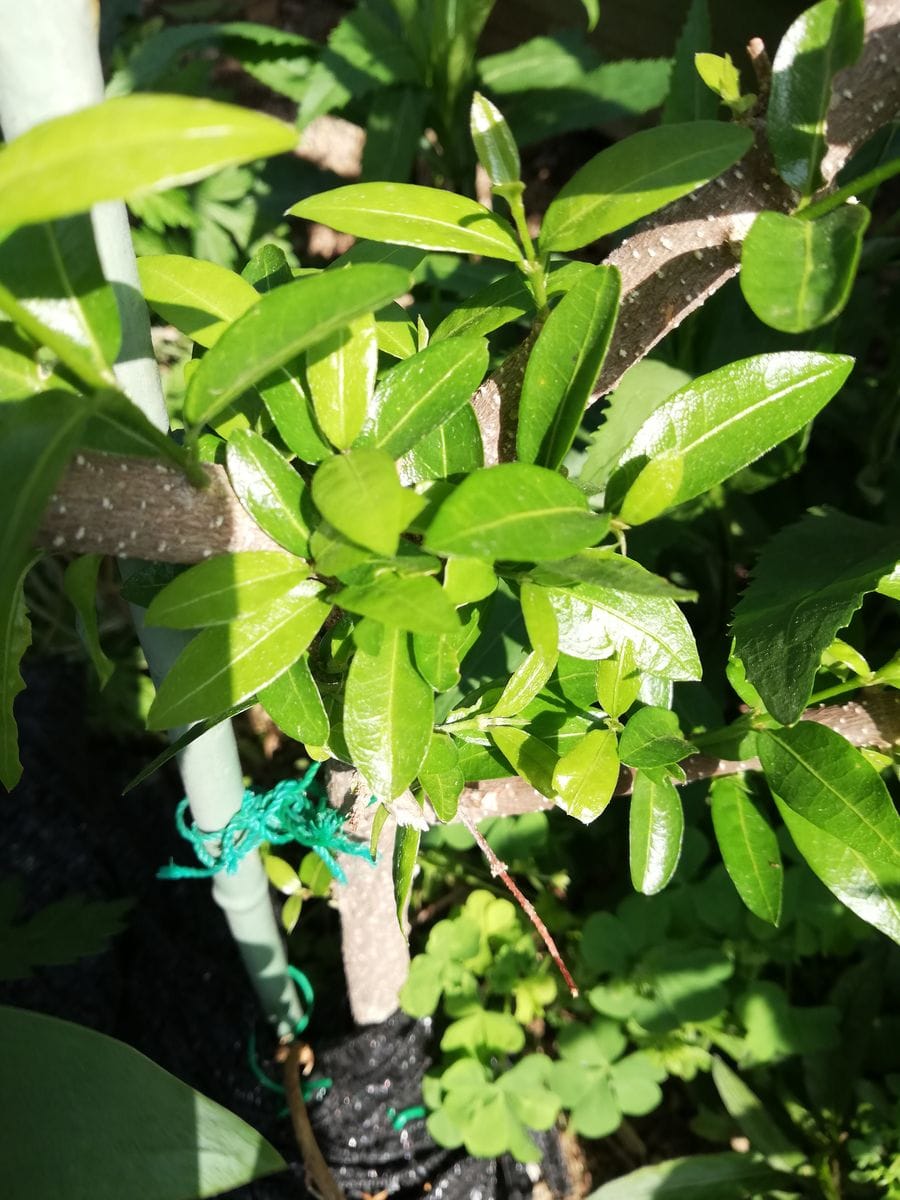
500	871
318	1172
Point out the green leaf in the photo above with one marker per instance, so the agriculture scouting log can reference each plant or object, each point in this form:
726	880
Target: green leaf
563	367
175	747
126	146
341	373
395	331
721	422
618	681
284	395
225	664
295	705
442	777
15	638
606	568
423	393
468	579
281	324
594	620
224	588
514	511
417	603
721	76
117	426
533	672
270	490
409	215
808	582
486	1032
200	298
637	176
267	269
586	777
406	851
530	758
198	1149
653	738
20	373
454	448
688	99
494	143
501	302
388	716
829	783
749	848
822	41
61	932
396	119
797	274
80	585
726	1176
54	288
776	1029
361	495
754	1122
656	829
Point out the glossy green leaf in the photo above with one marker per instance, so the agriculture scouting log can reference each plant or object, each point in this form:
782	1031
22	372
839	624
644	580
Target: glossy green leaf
395	332
224	588
754	1122
270	490
721	76
533	672
117	426
595	621
341	373
797	274
830	784
653	738
416	603
423	393
15	638
808	582
126	146
281	324
388	716
501	302
606	568
453	448
618	681
267	269
585	778
728	1176
563	367
638	175
295	705
530	758
514	511
655	831
688	99
494	143
442	777
72	1099
721	422
409	215
406	851
54	288
227	663
80	585
284	395
748	846
361	495
200	298
822	41
468	579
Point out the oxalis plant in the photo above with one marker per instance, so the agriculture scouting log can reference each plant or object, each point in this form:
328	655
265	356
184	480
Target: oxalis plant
390	544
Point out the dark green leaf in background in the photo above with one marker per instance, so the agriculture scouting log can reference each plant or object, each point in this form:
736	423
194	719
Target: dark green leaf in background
689	99
748	846
15	630
807	584
394	127
563	367
270	490
80	585
656	829
754	1122
797	274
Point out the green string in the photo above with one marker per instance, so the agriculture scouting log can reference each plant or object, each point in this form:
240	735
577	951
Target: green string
401	1119
309	1087
295	810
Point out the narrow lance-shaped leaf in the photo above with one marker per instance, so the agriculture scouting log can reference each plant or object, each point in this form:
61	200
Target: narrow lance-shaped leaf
15	638
128	145
493	141
748	1110
224	588
224	665
406	851
618	681
798	274
822	41
284	394
656	829
388	716
808	582
341	373
416	603
749	848
531	674
710	429
729	1176
515	511
80	585
689	99
563	367
409	215
281	324
638	175
361	495
586	776
198	297
294	703
270	490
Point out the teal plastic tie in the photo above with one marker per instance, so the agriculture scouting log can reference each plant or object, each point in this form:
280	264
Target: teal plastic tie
401	1119
309	1087
295	810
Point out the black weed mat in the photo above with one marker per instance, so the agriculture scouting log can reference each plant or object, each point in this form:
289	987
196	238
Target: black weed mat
173	987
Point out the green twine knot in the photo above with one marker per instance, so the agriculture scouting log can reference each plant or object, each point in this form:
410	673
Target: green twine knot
295	810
